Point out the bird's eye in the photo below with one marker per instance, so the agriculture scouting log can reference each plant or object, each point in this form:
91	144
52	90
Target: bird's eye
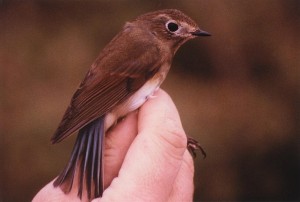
172	26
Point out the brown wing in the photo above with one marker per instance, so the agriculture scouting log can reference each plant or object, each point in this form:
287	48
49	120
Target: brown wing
120	70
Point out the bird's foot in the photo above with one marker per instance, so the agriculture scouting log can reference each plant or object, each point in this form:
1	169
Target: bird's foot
193	145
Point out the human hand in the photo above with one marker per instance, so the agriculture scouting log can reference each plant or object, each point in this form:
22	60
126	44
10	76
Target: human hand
145	158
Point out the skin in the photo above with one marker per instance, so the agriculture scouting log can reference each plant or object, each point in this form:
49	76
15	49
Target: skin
154	138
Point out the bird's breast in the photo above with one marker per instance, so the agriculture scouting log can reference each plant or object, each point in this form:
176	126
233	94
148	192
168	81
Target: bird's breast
136	100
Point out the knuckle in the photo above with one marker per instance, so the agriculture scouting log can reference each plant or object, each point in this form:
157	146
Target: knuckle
174	135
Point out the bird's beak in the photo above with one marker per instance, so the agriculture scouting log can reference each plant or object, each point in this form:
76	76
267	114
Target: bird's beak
200	32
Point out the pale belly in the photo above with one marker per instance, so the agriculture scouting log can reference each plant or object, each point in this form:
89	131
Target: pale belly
134	102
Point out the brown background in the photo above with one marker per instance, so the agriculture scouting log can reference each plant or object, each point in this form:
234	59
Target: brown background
238	91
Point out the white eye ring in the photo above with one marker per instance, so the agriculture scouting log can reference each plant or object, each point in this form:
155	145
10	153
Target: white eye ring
172	26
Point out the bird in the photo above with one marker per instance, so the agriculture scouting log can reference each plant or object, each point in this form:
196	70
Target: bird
125	75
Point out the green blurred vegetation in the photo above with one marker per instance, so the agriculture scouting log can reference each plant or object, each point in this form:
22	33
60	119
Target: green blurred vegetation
238	92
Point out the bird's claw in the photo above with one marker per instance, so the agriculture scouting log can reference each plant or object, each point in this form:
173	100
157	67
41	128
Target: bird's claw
193	145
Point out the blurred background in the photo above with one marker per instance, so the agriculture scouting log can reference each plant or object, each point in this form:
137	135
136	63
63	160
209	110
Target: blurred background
238	94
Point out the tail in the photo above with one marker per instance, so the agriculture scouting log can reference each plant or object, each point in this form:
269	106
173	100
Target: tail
86	160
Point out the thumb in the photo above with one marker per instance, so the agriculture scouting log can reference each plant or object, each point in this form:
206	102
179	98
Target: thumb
155	156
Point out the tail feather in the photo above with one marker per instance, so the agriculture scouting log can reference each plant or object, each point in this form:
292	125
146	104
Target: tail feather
87	164
98	177
66	177
86	160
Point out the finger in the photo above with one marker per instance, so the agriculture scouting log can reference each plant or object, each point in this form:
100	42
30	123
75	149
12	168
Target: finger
155	156
50	194
117	142
183	187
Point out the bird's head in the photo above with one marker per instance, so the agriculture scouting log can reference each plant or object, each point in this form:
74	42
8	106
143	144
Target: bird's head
171	26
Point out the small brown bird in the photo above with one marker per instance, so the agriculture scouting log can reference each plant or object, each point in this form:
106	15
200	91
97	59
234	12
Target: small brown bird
126	73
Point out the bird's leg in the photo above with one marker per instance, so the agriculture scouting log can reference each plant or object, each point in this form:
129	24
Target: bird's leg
151	97
122	118
193	145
